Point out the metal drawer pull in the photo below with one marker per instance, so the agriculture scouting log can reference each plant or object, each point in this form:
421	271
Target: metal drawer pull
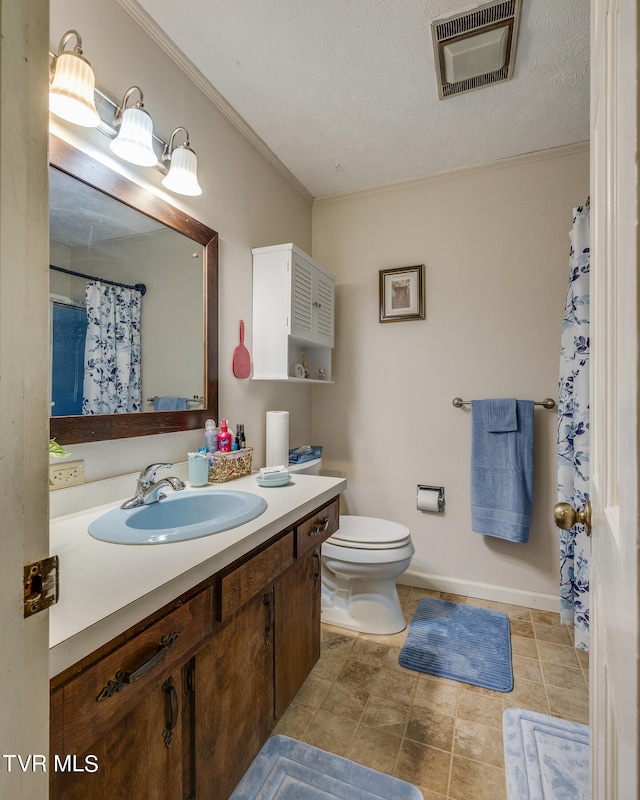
123	678
321	527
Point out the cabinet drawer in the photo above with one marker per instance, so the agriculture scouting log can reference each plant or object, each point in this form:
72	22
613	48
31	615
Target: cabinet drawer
105	693
255	575
313	531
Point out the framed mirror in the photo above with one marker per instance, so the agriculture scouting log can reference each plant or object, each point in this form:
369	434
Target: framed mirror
122	259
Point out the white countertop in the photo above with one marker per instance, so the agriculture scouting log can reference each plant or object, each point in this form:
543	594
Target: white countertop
106	588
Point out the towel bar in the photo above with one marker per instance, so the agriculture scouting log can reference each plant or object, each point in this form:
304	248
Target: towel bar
194	399
458	402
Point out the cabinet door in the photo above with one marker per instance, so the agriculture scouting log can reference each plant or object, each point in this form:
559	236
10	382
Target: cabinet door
297	632
234	698
312	302
126	713
323	304
302	273
141	758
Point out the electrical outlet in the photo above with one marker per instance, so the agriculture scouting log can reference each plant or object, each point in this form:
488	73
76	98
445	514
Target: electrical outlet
71	473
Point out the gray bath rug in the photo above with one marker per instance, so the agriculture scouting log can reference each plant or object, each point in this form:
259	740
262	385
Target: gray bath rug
464	643
545	758
286	769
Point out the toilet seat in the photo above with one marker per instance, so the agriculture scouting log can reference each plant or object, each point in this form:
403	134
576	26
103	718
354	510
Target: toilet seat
370	533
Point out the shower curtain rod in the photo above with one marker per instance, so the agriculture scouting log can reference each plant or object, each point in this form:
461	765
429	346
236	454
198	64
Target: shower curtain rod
547	402
139	286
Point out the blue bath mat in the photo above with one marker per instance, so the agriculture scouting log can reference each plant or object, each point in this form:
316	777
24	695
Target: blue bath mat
286	769
465	643
545	758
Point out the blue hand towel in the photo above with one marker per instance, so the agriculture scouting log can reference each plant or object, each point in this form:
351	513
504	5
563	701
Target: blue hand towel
502	468
501	415
168	403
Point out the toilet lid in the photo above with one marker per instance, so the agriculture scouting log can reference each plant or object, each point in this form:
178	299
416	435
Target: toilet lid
370	533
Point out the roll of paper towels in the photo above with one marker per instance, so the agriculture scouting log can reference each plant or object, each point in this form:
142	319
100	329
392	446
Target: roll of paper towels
429	499
277	444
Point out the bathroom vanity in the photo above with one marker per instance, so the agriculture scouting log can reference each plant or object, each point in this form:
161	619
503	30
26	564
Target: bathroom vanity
173	688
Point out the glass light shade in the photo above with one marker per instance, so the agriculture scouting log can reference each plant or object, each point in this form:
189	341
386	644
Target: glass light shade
182	177
71	95
134	142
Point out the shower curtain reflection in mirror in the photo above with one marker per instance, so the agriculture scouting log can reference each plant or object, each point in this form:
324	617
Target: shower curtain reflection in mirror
96	354
69	322
112	364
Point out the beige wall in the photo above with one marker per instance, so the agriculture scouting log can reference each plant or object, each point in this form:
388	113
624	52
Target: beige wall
495	246
244	198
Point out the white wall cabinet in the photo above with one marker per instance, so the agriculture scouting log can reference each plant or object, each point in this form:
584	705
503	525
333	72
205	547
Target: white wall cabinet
293	315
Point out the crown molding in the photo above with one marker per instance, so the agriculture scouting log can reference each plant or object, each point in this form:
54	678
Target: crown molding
525	158
208	89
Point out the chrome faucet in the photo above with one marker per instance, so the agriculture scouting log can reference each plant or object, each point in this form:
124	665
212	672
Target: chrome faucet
148	489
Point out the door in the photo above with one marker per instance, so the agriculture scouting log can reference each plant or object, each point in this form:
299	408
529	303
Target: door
24	259
614	400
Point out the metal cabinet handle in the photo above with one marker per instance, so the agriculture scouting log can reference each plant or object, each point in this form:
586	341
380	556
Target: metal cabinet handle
268	601
316	576
123	678
167	733
320	527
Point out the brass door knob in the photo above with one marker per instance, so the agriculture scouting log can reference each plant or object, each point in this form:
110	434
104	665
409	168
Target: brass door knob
566	516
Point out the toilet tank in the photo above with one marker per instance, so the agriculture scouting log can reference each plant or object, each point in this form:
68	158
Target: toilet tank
307	467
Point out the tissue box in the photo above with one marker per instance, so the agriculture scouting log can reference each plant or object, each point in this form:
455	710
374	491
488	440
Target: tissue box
227	466
301	454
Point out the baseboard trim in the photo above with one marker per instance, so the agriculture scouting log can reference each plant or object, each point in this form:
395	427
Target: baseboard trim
482	591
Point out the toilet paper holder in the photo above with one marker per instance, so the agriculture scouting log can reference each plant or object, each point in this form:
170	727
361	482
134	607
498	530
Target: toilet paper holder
430	493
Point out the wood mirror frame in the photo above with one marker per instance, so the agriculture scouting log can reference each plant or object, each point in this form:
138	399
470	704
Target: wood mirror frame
99	427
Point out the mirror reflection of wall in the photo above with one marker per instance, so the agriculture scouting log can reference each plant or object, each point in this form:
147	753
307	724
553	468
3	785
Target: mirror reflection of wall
95	235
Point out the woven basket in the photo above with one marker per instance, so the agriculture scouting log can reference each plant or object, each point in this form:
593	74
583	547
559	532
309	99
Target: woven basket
227	466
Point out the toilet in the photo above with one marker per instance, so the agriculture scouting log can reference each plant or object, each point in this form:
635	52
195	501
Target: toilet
360	565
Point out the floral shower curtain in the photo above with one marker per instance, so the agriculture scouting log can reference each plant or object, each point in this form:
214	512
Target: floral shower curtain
573	432
112	379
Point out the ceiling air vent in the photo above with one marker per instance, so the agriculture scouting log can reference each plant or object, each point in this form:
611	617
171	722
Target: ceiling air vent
475	47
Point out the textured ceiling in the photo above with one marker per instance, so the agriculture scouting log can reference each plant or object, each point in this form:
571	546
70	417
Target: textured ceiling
344	91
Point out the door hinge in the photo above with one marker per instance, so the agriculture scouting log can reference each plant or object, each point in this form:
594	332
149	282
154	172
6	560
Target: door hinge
41	585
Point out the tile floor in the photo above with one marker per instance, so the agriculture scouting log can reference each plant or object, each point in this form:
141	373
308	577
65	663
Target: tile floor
443	736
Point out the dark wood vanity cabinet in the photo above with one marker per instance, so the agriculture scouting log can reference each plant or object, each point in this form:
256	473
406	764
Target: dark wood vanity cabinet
120	727
180	706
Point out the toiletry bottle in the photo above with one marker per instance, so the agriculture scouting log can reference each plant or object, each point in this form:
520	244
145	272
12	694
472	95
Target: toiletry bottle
240	440
210	436
224	437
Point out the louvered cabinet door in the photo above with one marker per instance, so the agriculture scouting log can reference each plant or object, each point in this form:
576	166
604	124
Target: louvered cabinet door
323	305
302	273
312	302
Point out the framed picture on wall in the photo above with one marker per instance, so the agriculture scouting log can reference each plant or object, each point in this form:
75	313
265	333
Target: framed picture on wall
402	294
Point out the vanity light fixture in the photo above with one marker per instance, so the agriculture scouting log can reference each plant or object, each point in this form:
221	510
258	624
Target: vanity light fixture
182	177
134	142
71	95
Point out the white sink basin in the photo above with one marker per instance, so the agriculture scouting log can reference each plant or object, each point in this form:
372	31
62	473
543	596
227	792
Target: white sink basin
178	517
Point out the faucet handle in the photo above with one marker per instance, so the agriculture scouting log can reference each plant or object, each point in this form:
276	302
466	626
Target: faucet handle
148	475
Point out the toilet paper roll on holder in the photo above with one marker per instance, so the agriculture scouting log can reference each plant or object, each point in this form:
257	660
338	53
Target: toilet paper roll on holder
430	498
